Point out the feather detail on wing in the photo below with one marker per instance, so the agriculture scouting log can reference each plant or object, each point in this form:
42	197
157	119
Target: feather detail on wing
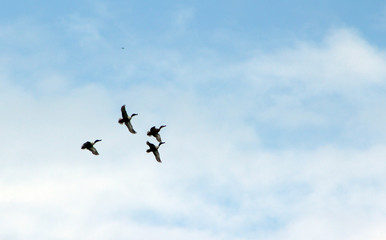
94	151
124	113
157	157
130	127
158	137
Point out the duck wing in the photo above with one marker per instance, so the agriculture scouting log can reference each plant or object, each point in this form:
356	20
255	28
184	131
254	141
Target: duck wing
86	145
158	137
93	150
130	127
157	157
152	147
124	113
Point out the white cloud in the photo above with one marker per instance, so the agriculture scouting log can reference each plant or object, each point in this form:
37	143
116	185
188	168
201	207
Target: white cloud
217	181
183	17
85	31
343	61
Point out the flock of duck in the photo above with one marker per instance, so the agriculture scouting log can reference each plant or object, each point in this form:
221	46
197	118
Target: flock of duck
126	120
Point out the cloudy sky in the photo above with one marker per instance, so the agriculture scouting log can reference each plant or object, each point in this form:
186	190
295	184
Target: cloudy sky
275	117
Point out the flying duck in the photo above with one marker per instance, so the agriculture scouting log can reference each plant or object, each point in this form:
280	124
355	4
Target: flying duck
154	149
90	146
155	132
126	119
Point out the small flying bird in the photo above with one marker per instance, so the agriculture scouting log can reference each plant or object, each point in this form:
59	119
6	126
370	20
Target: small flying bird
126	119
155	132
90	146
154	149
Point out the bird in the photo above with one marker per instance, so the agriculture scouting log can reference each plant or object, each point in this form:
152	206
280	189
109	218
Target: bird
90	146
126	119
154	149
155	132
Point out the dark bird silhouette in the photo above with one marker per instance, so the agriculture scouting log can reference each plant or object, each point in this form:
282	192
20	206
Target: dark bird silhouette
90	146
154	149
126	119
155	132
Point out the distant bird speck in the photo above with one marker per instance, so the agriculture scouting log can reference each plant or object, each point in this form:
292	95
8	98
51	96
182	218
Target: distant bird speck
126	119
155	132
90	146
154	149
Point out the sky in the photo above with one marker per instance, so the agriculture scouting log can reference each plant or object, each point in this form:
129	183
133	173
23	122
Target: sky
275	116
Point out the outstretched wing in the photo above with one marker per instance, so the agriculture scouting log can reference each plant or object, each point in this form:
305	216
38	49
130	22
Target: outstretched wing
124	113
130	127
151	145
157	157
93	150
158	137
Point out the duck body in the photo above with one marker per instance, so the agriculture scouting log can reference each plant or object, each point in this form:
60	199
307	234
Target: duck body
127	120
154	149
155	132
90	146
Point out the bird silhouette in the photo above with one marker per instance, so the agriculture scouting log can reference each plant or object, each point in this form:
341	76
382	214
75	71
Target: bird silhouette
90	146
155	132
154	149
126	119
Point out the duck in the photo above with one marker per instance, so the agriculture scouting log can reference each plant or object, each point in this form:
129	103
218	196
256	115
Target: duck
154	149
90	146
126	119
155	132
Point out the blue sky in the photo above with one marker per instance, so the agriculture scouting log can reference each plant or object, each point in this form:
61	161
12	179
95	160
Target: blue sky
274	115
